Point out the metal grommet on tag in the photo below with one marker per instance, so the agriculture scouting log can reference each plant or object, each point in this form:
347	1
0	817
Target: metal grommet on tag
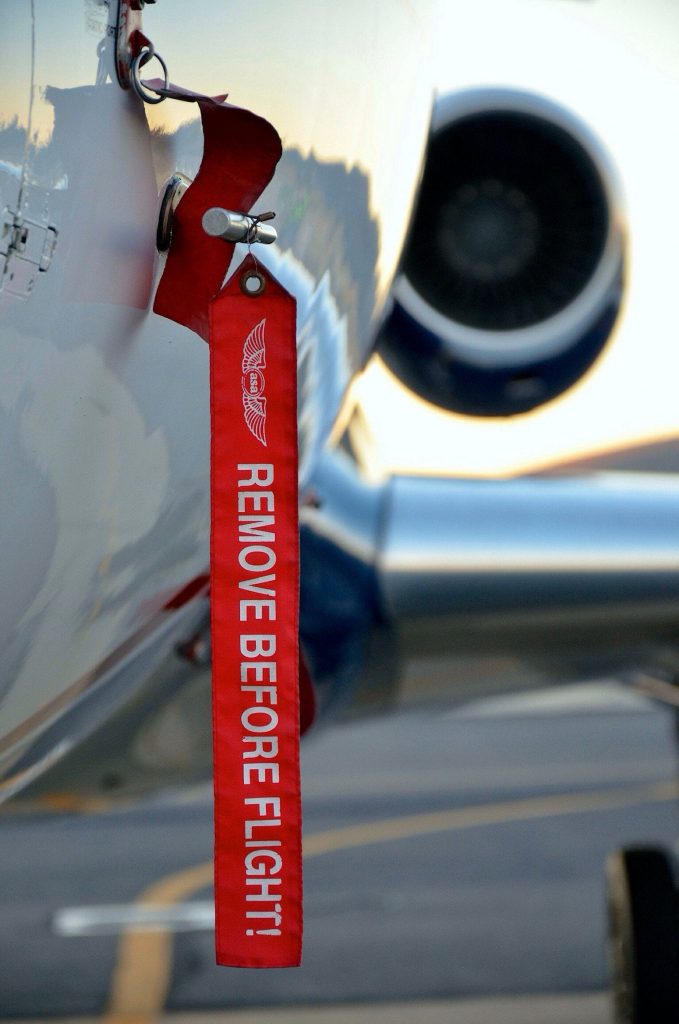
252	283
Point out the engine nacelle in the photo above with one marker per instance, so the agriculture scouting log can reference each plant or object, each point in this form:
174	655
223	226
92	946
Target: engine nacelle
511	280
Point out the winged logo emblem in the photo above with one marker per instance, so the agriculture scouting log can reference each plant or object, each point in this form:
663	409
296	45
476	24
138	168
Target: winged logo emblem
253	382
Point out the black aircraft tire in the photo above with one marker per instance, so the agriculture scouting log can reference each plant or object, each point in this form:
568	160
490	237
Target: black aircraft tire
643	936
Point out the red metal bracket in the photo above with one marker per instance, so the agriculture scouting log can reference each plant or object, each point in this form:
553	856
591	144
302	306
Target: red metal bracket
130	39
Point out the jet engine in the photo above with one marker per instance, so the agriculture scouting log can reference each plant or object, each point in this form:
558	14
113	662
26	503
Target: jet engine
511	279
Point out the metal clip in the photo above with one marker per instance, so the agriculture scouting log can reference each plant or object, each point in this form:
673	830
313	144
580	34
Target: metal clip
238	227
148	95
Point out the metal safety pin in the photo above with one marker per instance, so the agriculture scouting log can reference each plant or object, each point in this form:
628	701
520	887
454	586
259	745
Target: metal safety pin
238	227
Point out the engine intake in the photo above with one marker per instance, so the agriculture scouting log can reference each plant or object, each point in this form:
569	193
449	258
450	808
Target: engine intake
511	278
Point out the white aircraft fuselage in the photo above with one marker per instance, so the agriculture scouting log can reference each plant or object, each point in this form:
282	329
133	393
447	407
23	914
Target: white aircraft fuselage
103	404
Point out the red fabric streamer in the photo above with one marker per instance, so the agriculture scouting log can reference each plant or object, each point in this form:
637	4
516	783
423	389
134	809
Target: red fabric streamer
255	597
254	545
241	151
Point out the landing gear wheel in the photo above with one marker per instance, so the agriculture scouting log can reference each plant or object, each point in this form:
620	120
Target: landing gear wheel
643	926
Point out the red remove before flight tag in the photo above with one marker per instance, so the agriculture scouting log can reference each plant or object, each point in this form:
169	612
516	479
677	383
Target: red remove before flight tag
255	599
254	543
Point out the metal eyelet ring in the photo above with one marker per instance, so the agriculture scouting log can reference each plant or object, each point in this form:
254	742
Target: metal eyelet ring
252	283
140	61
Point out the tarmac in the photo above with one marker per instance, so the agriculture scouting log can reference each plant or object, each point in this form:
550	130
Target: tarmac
560	1009
453	873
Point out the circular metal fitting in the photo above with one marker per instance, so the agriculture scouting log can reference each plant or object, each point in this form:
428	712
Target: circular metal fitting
173	191
252	283
140	61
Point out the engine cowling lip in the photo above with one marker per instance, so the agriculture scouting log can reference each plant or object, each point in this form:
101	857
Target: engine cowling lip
525	346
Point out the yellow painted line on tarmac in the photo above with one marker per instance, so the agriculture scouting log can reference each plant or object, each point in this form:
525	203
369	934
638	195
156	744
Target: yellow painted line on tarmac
142	975
141	978
487	814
